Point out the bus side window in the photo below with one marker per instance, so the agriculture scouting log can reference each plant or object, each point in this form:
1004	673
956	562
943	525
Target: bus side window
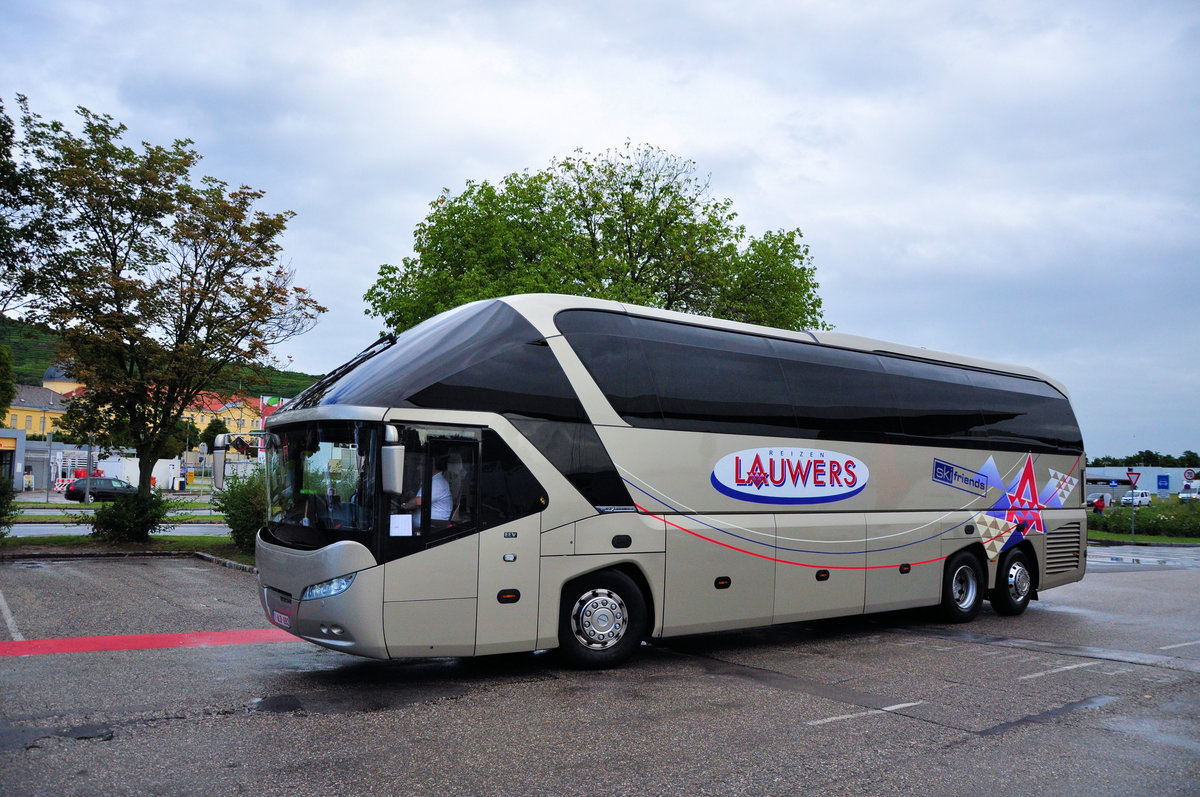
507	490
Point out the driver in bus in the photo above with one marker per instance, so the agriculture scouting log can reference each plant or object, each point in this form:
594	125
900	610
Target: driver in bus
441	504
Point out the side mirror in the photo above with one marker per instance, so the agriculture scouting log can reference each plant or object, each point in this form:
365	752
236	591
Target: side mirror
393	469
218	465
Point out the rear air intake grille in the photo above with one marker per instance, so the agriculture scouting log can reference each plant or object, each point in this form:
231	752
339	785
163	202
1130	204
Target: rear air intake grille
1063	548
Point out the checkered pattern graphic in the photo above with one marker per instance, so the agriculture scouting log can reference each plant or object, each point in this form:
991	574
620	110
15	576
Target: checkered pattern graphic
1063	484
995	533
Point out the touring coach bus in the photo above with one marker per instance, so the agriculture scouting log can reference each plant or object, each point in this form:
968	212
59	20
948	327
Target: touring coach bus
554	472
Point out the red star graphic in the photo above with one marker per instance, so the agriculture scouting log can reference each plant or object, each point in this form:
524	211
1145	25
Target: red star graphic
1023	504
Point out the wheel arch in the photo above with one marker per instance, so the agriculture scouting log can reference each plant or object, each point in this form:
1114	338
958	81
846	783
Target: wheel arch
635	573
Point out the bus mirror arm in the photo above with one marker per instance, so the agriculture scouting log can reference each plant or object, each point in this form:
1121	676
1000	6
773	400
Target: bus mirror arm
393	469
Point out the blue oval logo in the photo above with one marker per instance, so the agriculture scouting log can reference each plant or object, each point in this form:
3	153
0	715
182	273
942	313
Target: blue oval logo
790	476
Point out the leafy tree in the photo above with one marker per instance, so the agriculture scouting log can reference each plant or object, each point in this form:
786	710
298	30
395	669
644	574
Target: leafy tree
8	385
1148	459
243	501
9	512
181	439
131	518
25	233
162	283
635	224
215	427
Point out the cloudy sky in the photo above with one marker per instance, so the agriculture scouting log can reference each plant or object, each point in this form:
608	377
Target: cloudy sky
1018	181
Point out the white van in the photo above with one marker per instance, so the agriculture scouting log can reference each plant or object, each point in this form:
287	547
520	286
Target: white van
1190	491
1136	498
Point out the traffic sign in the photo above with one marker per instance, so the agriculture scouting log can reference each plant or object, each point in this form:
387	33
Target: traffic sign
1189	474
1112	483
1133	477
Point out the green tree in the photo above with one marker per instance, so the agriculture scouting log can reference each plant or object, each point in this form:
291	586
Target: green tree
243	502
8	384
9	512
162	283
636	224
25	232
215	427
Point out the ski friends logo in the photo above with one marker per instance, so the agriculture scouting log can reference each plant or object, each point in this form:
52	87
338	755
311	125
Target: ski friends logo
790	476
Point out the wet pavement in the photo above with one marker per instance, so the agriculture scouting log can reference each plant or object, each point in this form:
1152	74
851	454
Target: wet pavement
1095	690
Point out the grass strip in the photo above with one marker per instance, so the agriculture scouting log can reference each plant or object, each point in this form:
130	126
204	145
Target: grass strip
220	547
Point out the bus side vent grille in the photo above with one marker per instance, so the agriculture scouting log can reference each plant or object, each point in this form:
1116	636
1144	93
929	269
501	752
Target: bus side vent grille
1064	550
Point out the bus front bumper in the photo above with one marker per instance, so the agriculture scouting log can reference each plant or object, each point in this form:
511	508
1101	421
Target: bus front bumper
350	621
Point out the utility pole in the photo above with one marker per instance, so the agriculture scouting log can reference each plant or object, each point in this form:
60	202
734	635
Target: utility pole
87	483
49	462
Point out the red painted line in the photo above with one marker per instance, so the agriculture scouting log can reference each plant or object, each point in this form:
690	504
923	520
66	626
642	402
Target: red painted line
774	559
92	644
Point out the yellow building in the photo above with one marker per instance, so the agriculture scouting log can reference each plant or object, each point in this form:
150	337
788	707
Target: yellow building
56	379
37	410
240	413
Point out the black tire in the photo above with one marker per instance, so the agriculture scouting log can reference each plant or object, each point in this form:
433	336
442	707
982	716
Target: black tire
962	588
1014	583
601	621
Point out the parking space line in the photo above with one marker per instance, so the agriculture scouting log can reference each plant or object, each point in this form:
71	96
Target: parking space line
9	620
884	710
93	644
1057	670
1180	645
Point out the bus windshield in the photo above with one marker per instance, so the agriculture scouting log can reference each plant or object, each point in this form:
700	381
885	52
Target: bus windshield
321	483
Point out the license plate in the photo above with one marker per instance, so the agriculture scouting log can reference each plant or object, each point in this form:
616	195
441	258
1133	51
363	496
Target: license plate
282	620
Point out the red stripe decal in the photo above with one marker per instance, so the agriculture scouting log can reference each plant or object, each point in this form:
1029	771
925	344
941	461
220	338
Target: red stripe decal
92	644
774	559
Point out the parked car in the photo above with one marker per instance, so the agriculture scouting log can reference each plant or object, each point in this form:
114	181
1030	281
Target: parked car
98	489
1136	498
1091	499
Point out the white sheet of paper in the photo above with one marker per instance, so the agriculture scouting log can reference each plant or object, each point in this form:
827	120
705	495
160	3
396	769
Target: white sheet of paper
401	526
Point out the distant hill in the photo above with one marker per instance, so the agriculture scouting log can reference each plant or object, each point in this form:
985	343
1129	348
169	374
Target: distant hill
34	349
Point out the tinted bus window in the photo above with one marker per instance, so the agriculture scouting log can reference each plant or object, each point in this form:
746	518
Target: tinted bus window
609	350
934	401
838	394
1026	414
715	381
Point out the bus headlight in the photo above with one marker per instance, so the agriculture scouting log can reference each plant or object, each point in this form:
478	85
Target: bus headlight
327	589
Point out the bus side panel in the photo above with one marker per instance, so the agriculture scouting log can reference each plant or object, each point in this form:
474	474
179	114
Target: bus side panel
429	601
712	587
558	570
914	539
444	571
509	562
1065	548
819	572
430	628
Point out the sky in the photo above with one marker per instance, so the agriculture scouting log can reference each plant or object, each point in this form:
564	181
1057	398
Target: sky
1016	181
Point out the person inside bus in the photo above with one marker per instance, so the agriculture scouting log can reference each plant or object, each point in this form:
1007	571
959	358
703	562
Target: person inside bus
441	505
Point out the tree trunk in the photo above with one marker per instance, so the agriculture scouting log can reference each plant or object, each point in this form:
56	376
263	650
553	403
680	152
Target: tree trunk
146	462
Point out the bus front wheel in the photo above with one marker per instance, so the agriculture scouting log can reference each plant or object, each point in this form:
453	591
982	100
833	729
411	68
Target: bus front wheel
602	620
1014	583
962	588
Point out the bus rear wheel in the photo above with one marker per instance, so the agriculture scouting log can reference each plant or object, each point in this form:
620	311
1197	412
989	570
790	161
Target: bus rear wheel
1014	583
962	588
601	621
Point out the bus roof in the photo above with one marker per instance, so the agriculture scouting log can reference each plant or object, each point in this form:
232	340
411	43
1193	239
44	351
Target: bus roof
540	309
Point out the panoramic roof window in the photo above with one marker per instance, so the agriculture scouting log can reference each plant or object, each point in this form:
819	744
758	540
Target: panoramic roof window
482	356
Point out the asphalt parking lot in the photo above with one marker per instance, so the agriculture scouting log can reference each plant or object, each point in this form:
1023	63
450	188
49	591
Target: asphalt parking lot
1095	690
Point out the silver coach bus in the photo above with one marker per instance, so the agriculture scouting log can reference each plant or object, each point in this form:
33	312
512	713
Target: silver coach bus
548	471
